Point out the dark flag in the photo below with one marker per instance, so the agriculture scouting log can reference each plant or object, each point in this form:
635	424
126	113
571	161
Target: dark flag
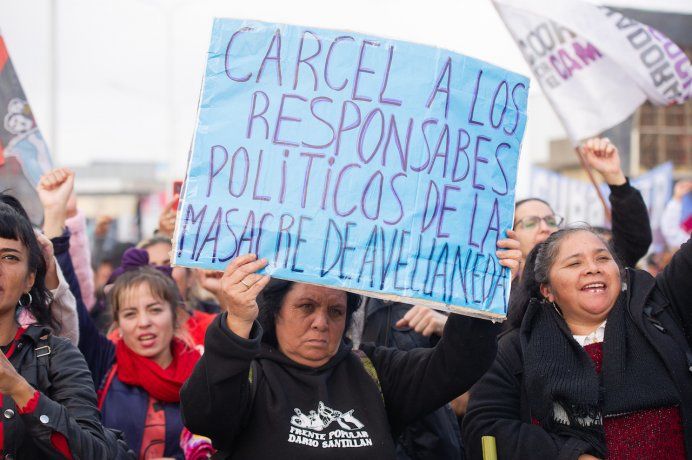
24	155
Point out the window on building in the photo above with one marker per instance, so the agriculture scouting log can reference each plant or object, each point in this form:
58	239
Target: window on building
665	134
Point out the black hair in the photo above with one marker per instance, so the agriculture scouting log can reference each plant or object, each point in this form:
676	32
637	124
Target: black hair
271	299
15	225
537	268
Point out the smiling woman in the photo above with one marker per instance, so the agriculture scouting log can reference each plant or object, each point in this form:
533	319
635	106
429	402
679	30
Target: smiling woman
597	361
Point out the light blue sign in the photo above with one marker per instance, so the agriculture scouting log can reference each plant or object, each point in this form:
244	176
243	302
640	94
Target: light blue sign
355	162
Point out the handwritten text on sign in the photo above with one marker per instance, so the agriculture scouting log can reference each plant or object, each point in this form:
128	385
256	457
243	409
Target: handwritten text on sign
354	161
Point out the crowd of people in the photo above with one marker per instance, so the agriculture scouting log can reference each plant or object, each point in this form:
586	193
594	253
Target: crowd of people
108	352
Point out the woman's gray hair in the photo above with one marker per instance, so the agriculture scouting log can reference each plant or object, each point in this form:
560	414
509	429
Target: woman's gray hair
546	252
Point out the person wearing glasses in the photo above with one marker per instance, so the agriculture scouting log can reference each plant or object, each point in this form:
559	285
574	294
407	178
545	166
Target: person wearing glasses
535	220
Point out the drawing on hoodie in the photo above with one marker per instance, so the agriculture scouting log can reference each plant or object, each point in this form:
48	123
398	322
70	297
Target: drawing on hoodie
324	417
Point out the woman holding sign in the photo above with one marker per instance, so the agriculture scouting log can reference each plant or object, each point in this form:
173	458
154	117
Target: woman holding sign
279	380
600	366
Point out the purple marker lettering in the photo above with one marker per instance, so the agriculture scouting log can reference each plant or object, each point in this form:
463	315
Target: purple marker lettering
327	181
228	56
506	146
477	159
398	199
306	60
281	118
214	229
425	124
440	223
284	168
313	105
337	187
473	222
195	218
255	196
308	170
386	259
385	81
327	240
346	249
493	225
212	171
327	80
243	175
393	132
359	70
432	186
503	85
378	179
444	154
284	229
474	99
370	249
299	239
437	273
229	226
259	115
276	40
364	132
446	72
461	148
342	128
516	108
260	231
400	256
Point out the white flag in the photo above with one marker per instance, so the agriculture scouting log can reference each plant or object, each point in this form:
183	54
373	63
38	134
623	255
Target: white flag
595	65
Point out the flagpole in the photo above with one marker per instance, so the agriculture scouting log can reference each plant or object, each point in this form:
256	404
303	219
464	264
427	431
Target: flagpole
585	167
54	66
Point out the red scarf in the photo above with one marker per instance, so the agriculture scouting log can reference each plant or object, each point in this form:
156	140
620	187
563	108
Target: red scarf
162	384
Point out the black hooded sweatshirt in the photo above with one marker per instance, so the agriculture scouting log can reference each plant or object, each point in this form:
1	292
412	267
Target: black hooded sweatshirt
282	409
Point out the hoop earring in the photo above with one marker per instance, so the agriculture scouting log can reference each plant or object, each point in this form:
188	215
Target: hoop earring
20	304
557	309
554	305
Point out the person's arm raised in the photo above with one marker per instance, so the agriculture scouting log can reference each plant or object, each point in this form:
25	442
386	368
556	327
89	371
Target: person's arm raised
631	228
217	397
240	285
54	190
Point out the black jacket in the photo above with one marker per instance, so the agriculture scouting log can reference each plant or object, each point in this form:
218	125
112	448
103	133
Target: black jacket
67	403
437	434
335	411
499	406
630	224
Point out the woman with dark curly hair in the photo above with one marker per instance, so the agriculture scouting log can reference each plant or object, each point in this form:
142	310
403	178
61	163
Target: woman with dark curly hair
48	399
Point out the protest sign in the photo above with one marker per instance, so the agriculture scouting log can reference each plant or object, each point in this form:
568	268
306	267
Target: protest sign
24	155
595	65
355	162
576	200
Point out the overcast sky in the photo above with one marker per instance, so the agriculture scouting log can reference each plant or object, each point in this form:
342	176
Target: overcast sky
127	72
